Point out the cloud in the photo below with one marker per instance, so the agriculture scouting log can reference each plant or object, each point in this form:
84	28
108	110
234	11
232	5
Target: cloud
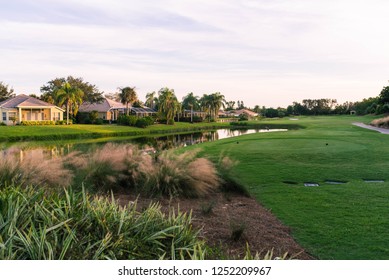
259	48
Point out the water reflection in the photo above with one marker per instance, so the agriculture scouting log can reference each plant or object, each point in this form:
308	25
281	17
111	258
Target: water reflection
149	144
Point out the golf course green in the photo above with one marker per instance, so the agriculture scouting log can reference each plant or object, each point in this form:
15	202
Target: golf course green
347	215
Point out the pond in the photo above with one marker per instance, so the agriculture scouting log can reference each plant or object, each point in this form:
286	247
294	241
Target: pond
149	143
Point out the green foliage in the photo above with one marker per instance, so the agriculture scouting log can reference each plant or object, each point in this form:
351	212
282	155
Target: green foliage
5	92
93	116
127	120
91	92
33	123
2	124
142	123
128	96
243	117
168	105
73	225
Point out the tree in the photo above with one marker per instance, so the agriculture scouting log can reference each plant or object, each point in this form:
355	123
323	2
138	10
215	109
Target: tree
230	105
190	101
128	96
71	96
91	92
217	101
168	104
384	95
5	92
151	100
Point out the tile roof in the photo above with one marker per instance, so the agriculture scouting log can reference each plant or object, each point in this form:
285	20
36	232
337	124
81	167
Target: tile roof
23	100
104	106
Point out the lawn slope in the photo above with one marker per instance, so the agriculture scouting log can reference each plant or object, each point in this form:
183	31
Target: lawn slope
347	221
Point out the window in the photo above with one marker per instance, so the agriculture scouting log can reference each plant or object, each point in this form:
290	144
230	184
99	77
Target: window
4	116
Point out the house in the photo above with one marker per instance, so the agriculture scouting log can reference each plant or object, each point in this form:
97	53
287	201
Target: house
109	109
26	108
247	112
188	114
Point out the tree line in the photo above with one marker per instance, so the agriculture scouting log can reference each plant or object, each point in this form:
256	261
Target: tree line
71	92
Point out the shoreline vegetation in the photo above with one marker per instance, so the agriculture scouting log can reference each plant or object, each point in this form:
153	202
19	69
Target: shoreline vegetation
84	131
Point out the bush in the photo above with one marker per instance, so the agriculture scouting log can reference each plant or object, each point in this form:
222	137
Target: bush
127	120
99	121
33	123
383	122
63	122
243	117
170	122
75	226
2	124
142	123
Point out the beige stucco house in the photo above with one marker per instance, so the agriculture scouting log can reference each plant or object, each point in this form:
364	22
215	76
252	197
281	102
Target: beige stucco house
109	109
26	108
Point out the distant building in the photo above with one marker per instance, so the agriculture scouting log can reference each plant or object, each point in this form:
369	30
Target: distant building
109	109
26	108
237	113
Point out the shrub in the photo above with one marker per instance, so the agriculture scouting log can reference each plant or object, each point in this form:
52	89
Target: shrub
229	183
63	122
142	123
33	123
98	121
383	122
170	122
127	120
71	225
111	167
183	175
2	124
34	169
243	117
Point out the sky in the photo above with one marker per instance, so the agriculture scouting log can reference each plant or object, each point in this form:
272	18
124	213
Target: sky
263	52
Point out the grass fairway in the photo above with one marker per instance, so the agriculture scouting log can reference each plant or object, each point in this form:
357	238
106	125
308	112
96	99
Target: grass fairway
347	221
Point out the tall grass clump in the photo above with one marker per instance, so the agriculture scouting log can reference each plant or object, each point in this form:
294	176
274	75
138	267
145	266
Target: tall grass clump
73	225
382	122
33	169
183	175
229	183
111	167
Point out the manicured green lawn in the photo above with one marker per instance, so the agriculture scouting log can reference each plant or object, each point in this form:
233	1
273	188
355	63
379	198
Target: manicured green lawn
61	132
348	221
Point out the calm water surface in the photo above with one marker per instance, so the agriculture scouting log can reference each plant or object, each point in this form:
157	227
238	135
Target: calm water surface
149	144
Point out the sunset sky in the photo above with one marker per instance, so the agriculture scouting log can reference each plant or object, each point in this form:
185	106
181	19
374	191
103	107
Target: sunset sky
267	53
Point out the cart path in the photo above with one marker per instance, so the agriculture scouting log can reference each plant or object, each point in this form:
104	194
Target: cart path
379	129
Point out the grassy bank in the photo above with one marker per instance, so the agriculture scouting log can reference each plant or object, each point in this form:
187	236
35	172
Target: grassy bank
346	221
84	131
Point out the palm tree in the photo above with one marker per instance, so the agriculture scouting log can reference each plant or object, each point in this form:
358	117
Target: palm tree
206	104
72	96
151	100
217	102
128	96
168	104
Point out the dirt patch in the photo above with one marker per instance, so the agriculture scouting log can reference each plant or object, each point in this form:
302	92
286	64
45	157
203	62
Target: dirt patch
219	214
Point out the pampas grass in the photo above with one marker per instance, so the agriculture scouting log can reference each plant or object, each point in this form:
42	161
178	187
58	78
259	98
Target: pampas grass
116	167
383	122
